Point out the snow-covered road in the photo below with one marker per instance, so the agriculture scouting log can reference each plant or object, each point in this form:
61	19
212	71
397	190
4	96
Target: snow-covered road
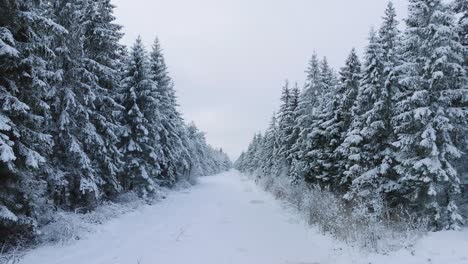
223	219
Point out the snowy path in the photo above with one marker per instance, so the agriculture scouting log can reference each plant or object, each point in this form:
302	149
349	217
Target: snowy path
224	219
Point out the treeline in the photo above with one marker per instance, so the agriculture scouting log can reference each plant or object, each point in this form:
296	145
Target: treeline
82	119
390	133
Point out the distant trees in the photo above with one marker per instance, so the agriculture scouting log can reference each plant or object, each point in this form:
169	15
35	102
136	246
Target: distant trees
83	120
391	130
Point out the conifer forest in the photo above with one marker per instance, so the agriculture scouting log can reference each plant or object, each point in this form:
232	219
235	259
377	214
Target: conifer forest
101	163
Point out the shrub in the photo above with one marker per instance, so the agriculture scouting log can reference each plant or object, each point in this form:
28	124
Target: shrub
354	223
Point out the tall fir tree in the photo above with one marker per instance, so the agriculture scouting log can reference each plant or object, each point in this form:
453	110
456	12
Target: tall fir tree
103	59
342	112
389	38
461	8
77	182
140	146
307	105
285	128
25	78
172	133
433	80
367	144
294	131
270	146
319	154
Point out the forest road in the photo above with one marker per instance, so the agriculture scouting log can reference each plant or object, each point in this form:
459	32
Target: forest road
223	219
227	219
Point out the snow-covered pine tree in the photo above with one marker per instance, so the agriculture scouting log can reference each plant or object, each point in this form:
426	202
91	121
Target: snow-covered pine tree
319	153
140	144
250	162
24	85
391	41
433	79
74	96
307	106
172	133
256	161
205	160
239	163
223	159
389	38
196	152
270	146
102	59
461	8
294	131
285	129
341	107
367	144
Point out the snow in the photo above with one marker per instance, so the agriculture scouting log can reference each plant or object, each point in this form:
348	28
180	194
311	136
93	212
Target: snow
227	219
6	151
6	50
7	214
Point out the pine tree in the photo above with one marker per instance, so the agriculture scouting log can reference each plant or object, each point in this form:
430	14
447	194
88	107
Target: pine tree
389	38
432	80
318	154
285	129
461	7
140	146
204	159
367	144
172	132
341	107
307	105
293	135
24	91
103	60
196	150
270	146
74	110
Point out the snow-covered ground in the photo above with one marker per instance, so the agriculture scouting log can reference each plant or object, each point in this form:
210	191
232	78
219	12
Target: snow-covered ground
227	219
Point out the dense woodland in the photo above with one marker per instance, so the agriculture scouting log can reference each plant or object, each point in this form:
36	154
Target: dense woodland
388	132
84	119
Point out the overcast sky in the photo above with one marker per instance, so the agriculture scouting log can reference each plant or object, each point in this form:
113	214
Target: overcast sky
229	58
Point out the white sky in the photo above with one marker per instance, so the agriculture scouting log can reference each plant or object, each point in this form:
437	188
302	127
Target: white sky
229	58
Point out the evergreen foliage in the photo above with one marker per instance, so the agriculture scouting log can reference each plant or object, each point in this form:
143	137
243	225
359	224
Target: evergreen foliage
81	120
388	135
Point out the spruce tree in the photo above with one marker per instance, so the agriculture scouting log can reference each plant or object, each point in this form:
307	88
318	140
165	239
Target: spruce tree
25	79
318	149
294	131
78	182
341	107
433	79
171	133
389	38
270	146
367	144
103	60
461	8
204	159
284	129
140	144
307	105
